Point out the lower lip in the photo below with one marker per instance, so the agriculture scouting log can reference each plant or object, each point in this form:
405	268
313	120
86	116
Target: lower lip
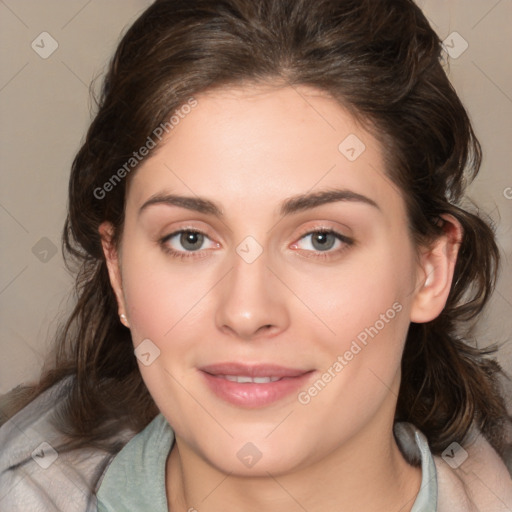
253	395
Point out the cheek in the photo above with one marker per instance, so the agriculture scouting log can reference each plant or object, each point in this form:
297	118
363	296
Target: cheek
160	296
164	305
372	292
366	308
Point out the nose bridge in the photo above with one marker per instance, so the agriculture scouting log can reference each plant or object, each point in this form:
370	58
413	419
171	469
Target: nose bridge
251	297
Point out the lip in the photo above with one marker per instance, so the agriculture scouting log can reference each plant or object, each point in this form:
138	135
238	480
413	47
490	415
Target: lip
253	395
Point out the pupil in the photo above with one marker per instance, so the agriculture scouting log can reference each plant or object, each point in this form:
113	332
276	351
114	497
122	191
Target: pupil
191	240
321	238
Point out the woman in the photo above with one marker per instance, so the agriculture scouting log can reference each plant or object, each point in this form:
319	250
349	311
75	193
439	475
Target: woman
274	273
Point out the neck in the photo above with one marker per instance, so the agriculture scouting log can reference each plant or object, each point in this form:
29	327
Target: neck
366	473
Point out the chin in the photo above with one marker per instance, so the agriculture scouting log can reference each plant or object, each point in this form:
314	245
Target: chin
242	457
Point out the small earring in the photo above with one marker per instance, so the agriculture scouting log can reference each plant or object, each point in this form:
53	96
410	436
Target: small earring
124	320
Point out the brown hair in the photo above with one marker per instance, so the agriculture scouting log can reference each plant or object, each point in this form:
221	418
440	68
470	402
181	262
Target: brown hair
382	61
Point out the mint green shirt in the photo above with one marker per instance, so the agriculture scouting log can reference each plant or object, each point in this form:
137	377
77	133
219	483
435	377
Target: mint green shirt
135	479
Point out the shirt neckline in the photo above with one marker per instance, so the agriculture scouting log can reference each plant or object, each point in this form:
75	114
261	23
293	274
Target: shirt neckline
135	478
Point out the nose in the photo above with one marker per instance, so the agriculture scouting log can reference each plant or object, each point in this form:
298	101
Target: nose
252	301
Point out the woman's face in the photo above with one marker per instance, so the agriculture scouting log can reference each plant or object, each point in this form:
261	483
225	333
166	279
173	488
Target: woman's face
303	270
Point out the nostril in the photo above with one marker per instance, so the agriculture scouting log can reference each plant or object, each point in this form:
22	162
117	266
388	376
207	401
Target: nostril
266	327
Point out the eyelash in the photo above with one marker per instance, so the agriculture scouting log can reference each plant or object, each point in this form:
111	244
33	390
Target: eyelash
329	254
323	255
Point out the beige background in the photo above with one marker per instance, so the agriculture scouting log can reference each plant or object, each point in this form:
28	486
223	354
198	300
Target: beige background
45	110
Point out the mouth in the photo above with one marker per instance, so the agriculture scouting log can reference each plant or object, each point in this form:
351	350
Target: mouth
253	386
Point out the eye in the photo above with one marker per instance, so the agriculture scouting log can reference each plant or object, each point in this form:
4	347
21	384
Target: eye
184	243
323	241
189	243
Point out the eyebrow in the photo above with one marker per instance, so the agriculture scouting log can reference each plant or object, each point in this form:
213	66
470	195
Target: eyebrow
289	206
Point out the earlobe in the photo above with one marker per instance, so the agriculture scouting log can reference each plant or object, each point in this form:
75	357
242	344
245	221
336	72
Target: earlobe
113	265
435	272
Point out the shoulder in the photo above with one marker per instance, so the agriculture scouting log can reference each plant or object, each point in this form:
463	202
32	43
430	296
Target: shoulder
473	478
468	478
33	474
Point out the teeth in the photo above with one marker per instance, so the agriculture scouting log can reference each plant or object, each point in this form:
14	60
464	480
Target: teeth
244	379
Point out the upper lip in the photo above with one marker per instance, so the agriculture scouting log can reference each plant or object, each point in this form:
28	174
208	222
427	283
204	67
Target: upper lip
252	370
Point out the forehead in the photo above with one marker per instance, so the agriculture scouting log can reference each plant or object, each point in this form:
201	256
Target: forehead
256	145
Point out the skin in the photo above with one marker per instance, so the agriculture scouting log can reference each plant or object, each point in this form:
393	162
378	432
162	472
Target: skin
248	149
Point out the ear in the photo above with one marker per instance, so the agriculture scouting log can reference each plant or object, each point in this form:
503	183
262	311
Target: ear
106	231
435	272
